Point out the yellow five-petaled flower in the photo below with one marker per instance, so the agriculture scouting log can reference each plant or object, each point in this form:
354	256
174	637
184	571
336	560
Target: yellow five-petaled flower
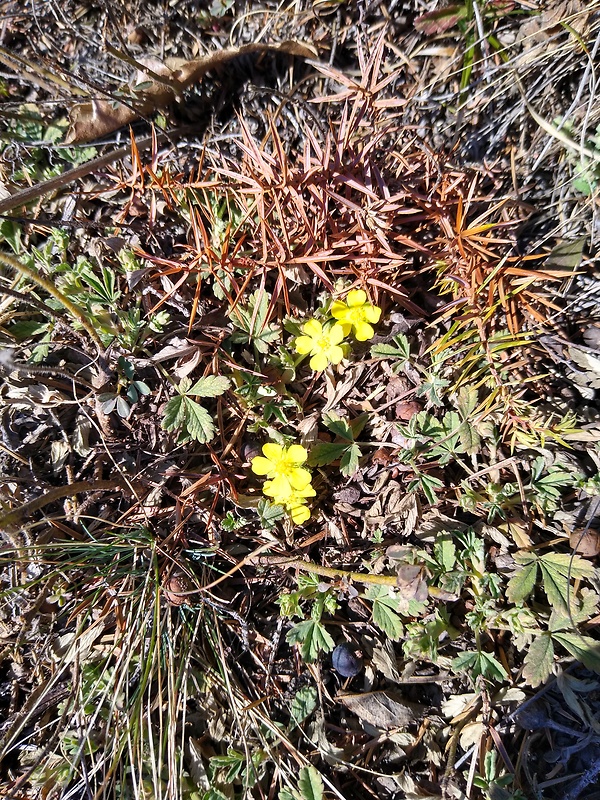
356	313
323	344
283	466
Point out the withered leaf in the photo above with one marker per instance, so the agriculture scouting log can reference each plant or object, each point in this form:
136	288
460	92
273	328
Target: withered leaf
382	710
159	86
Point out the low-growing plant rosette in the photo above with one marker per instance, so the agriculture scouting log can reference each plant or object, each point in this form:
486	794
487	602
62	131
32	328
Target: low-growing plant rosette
289	483
356	315
322	343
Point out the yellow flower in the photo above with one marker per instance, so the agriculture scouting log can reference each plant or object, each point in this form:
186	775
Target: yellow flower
294	503
299	513
323	345
282	466
356	313
292	498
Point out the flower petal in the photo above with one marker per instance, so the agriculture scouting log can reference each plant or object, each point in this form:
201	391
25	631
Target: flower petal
313	329
303	345
299	478
335	354
261	466
336	333
279	487
357	297
372	313
338	309
363	331
274	452
319	362
299	514
297	454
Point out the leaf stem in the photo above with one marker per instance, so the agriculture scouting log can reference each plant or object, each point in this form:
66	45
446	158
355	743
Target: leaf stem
49	287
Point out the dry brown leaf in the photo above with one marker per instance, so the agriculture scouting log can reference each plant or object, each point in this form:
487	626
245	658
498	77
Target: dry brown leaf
382	710
586	543
159	86
394	505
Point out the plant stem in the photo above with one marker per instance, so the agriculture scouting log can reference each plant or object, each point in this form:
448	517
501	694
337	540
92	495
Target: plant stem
49	287
351	577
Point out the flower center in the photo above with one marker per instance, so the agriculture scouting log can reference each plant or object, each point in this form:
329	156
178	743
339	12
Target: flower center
323	343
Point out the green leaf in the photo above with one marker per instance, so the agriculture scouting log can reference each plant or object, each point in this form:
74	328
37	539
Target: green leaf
174	414
566	256
522	583
557	569
303	705
310	784
399	350
312	637
338	426
349	461
269	513
583	648
210	386
470	441
385	608
25	328
539	660
198	421
467	401
478	663
444	551
325	453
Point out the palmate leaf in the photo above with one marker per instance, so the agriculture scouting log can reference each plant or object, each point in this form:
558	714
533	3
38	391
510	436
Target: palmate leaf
478	663
183	413
583	648
557	569
539	660
198	422
325	453
338	426
385	608
312	636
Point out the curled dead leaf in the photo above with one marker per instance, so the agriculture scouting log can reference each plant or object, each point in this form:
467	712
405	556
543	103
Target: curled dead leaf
157	86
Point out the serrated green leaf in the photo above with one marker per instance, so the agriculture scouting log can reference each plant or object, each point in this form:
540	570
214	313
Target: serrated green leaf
338	426
210	386
522	583
583	648
269	513
478	663
349	461
358	423
385	608
303	705
25	328
310	784
400	350
444	551
198	421
470	441
313	638
466	401
557	569
325	453
539	660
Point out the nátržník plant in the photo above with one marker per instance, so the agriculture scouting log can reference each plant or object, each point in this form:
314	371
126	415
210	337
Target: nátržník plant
289	483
